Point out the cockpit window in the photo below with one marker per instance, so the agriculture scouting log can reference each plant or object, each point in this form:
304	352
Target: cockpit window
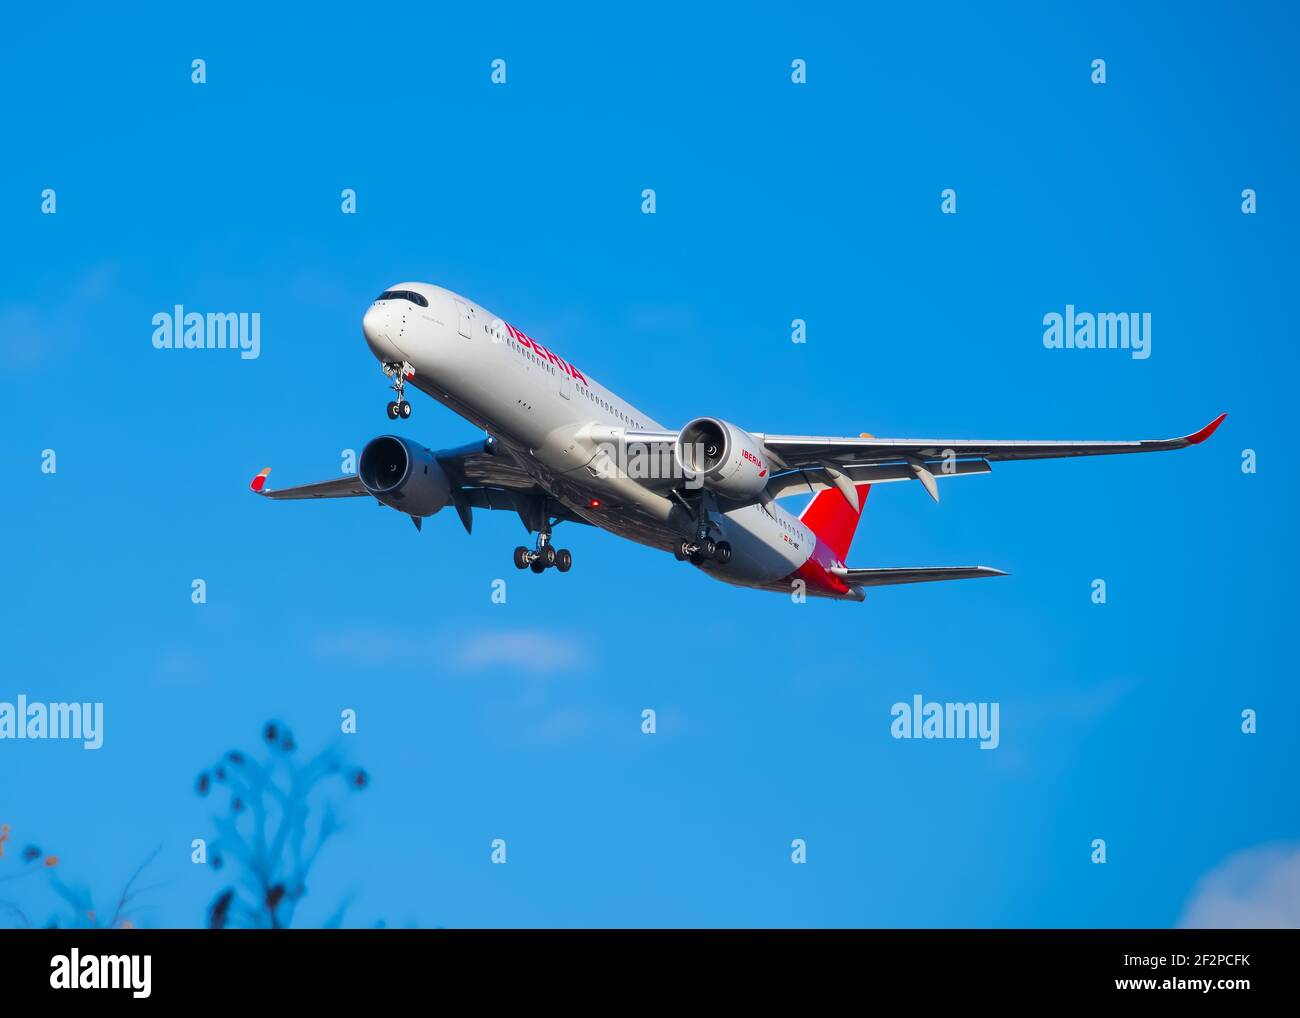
411	295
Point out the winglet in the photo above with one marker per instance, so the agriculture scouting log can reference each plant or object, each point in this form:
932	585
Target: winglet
259	482
1205	432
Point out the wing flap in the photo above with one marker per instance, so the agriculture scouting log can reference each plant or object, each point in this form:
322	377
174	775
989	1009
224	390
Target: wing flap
810	480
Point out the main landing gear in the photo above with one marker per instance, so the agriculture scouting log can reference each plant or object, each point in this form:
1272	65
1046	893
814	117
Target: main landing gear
703	550
399	373
545	556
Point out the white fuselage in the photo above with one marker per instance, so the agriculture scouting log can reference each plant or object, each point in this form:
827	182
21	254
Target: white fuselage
554	416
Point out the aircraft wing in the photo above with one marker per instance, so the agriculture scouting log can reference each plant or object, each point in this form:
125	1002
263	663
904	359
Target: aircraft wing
473	466
479	479
341	487
495	480
807	463
888	577
469	467
800	450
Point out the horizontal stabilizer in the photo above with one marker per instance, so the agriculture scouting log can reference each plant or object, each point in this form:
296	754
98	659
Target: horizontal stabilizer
887	577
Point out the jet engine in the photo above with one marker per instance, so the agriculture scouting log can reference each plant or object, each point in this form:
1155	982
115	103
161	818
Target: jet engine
404	475
722	457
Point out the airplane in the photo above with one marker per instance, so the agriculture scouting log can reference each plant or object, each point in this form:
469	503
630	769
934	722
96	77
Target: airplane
562	448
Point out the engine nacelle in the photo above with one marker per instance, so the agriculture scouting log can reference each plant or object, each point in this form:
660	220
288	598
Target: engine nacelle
404	475
725	458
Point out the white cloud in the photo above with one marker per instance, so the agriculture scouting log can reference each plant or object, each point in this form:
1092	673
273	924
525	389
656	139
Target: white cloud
29	334
365	647
1258	888
530	650
533	651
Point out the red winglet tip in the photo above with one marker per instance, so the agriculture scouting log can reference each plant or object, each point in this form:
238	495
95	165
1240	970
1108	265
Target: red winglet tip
1206	431
260	480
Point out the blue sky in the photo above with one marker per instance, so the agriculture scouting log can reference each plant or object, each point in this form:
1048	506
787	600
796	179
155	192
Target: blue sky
775	201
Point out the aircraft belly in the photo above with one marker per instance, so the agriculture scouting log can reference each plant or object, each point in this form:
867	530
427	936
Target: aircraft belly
633	525
758	553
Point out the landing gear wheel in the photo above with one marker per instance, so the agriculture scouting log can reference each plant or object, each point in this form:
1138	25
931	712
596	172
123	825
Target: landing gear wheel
706	548
682	550
398	373
537	566
546	555
722	553
564	560
521	557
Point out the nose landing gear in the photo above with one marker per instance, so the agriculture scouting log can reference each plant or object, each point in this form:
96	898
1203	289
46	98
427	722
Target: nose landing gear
399	373
545	556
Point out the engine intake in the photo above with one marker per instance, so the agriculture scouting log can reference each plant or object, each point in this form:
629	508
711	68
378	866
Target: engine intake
724	458
404	475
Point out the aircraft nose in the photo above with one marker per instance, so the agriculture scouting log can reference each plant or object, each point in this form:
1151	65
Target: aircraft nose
375	327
